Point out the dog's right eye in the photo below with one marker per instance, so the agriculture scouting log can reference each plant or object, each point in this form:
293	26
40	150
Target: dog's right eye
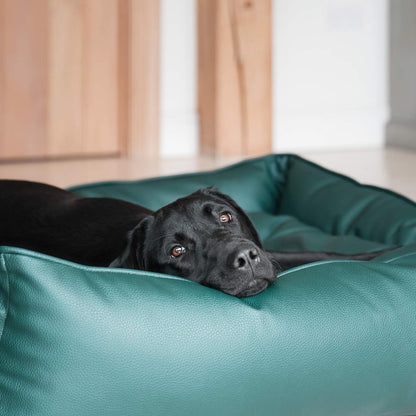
177	251
226	217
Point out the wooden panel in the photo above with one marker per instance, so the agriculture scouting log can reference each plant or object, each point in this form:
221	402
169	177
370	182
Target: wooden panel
100	76
65	78
253	34
144	79
123	75
24	33
65	69
234	76
230	98
206	75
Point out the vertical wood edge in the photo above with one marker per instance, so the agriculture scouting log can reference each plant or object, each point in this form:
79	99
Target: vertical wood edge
230	98
144	67
234	77
206	21
123	75
100	65
259	127
64	65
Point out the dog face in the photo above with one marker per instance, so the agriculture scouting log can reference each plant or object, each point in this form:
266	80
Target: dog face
207	238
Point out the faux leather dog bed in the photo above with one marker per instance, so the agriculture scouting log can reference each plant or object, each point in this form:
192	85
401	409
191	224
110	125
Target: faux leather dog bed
334	337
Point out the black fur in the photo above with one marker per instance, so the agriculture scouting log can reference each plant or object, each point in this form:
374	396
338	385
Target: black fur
227	256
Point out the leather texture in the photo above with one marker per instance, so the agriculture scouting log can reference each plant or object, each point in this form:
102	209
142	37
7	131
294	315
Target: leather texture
329	338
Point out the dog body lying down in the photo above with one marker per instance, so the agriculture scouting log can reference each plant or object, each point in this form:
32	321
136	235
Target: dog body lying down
204	237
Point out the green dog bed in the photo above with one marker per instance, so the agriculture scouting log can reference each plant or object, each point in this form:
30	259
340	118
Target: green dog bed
328	338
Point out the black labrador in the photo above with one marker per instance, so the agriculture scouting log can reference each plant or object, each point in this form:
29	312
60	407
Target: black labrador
204	237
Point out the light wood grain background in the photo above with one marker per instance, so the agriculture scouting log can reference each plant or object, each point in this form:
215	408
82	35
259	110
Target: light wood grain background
234	67
80	78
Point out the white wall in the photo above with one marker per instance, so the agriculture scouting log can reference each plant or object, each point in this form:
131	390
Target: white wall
179	117
329	75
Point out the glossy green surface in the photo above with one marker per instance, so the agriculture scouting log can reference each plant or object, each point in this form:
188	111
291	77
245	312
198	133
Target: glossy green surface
329	338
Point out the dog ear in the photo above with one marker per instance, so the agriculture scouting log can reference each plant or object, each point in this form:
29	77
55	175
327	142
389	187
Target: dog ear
133	255
246	223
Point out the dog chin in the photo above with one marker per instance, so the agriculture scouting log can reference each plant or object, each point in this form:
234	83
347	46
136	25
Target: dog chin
254	288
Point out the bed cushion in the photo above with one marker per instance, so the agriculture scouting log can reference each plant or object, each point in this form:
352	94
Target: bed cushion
333	337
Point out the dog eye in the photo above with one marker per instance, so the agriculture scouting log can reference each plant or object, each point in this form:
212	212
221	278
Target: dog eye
225	217
177	251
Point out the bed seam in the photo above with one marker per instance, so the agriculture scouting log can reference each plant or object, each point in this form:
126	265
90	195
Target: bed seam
398	257
3	264
49	258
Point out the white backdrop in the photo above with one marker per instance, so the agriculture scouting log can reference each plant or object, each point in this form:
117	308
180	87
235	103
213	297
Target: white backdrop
329	75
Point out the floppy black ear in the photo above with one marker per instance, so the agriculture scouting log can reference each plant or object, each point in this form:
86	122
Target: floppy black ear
245	220
133	255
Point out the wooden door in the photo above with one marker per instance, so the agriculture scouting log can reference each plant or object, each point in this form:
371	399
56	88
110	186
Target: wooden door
62	66
234	77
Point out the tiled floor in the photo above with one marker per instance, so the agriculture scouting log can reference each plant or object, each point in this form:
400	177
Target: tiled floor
391	168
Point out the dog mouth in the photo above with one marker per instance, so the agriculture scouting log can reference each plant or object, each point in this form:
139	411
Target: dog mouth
255	287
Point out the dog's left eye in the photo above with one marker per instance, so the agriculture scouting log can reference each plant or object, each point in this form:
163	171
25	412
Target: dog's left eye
177	251
225	217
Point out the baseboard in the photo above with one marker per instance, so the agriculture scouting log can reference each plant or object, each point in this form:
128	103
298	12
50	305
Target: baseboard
401	133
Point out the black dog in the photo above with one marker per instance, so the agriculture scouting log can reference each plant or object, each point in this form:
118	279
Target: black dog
205	237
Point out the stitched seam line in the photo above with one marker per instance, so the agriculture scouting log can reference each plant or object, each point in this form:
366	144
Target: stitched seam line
14	251
3	263
399	257
315	264
318	263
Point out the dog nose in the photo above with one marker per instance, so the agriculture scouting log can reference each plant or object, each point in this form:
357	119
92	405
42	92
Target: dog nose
245	257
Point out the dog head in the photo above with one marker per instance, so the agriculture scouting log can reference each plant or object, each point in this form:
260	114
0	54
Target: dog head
204	237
